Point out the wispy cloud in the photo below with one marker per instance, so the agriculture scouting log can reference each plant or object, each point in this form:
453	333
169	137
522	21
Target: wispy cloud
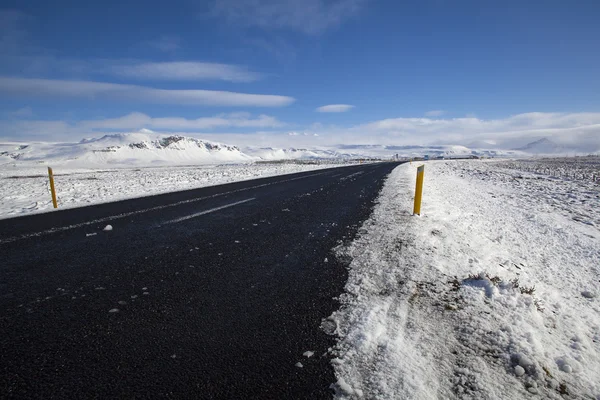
302	134
19	128
136	121
24	112
308	16
435	113
186	71
166	43
335	108
45	65
274	46
91	90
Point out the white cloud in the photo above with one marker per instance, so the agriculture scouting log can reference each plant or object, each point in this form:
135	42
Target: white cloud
301	134
573	129
335	108
579	131
90	90
186	71
308	16
23	130
435	113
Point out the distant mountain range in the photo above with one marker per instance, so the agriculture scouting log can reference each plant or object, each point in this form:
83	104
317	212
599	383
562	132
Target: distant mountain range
271	153
432	151
543	146
146	148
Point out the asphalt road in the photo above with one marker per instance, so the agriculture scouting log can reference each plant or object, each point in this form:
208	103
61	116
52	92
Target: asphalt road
208	293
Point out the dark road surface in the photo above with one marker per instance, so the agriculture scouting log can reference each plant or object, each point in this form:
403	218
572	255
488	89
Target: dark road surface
208	293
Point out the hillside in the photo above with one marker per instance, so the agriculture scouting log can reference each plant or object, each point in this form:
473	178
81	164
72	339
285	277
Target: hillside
123	149
543	146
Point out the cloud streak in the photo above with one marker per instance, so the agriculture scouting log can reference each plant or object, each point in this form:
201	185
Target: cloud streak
186	71
335	108
435	113
166	43
311	17
91	90
24	112
53	130
136	121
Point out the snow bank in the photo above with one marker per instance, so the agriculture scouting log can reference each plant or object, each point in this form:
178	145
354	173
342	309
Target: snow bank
26	189
481	297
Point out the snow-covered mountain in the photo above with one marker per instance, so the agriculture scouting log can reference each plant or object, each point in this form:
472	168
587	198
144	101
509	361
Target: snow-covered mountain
376	151
143	148
543	146
270	153
146	148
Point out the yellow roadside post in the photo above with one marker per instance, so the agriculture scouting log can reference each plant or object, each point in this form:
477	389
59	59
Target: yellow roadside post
52	189
419	190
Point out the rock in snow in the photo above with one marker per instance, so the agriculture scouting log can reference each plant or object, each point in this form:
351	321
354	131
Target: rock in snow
588	294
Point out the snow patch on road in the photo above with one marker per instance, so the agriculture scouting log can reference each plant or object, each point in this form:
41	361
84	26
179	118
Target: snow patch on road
480	297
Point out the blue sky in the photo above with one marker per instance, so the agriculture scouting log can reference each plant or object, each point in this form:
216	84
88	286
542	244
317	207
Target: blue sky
415	72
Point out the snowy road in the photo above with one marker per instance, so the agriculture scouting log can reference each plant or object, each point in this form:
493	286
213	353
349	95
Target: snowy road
216	292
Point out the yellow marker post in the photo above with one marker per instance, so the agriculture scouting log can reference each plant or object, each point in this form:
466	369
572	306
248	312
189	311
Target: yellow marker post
419	190
52	189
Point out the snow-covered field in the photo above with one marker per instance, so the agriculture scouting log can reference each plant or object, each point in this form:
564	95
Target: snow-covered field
25	189
493	293
573	168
